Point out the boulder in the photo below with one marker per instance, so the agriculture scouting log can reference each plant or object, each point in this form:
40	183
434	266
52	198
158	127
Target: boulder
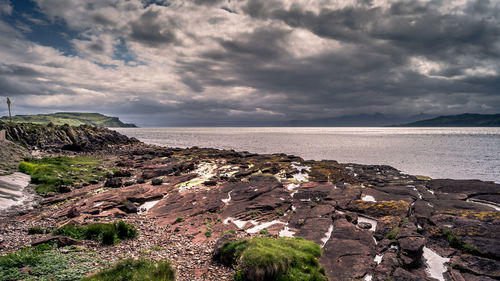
114	183
411	244
129	208
61	241
64	189
385	225
365	225
73	213
122	173
158	181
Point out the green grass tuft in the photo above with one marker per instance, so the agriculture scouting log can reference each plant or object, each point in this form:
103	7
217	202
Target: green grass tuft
38	230
456	242
281	259
106	233
393	234
51	173
136	270
264	232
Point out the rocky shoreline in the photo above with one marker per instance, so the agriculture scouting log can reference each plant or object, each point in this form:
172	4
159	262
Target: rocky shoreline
372	222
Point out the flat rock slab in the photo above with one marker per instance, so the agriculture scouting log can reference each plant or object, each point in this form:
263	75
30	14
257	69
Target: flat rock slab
349	252
11	189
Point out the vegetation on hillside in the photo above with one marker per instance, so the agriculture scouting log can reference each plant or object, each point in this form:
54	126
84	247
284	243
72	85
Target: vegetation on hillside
106	233
280	259
46	262
70	118
136	270
53	173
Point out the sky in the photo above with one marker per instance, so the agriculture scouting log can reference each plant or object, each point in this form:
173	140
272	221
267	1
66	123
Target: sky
211	62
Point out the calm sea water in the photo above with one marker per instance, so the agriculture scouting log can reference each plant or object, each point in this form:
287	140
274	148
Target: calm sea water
459	153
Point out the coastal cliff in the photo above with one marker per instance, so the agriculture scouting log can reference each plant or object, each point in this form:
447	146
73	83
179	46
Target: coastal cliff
372	222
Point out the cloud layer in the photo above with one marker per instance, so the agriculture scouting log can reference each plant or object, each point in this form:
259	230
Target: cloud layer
207	62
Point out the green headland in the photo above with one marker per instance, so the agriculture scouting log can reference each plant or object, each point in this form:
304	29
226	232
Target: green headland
70	118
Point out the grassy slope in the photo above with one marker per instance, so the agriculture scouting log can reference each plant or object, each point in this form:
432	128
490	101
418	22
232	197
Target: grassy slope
51	173
70	118
462	120
45	262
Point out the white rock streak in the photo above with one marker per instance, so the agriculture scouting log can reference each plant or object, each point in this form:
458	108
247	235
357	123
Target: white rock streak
286	232
435	264
368	198
226	201
328	234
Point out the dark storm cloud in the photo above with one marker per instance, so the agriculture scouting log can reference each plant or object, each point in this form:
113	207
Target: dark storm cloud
417	27
149	31
374	69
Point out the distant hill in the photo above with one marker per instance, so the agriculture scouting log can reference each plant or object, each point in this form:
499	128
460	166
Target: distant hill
361	120
462	120
70	118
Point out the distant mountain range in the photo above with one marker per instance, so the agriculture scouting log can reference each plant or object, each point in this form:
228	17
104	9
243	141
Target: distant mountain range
462	120
70	118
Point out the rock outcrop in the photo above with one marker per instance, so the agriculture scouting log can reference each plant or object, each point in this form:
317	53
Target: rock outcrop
65	137
373	222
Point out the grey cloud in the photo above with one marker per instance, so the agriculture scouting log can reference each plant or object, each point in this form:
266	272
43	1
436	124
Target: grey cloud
97	46
5	7
102	19
148	30
17	70
262	43
210	2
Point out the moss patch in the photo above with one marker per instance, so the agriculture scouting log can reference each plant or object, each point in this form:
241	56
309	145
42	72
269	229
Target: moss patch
51	173
382	208
136	270
281	259
477	215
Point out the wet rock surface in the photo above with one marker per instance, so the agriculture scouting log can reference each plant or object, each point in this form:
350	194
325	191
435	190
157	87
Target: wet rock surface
372	222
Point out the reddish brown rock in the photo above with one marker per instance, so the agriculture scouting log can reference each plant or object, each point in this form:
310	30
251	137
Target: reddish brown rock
61	241
349	252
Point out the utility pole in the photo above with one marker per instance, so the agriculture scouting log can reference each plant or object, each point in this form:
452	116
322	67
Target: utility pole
8	104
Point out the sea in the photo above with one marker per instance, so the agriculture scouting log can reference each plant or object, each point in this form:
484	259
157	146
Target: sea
457	153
